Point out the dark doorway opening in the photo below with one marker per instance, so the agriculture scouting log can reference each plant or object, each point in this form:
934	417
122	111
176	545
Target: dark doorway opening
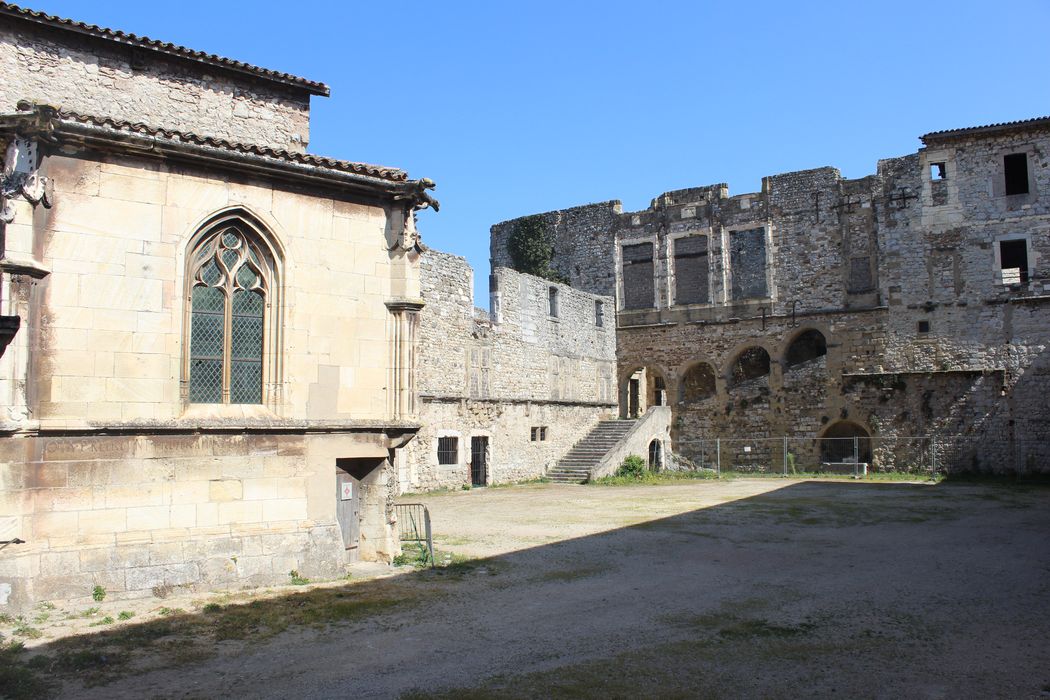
845	442
479	460
656	456
634	390
1013	255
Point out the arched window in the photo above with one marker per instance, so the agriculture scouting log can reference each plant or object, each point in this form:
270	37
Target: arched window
807	345
751	363
698	383
232	309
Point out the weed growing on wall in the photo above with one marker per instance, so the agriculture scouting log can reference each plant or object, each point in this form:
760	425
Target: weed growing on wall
531	249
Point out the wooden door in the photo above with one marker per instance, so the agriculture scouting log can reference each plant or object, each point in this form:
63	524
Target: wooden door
348	510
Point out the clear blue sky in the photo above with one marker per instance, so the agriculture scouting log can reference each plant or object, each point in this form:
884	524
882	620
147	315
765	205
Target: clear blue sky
516	108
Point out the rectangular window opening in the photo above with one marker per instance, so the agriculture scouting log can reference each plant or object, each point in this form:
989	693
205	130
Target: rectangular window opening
924	326
937	171
599	314
448	450
552	302
691	270
1015	168
1013	259
637	273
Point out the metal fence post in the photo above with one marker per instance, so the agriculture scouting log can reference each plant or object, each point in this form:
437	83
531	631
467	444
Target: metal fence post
933	455
718	456
785	456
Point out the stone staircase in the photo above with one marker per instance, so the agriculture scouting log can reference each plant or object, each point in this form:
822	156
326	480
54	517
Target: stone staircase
575	467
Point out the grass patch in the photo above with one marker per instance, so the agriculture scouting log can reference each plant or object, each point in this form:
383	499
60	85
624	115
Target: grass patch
19	680
651	478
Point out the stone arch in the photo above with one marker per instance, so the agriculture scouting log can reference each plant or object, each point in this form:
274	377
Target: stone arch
698	382
641	386
840	439
807	346
750	363
656	455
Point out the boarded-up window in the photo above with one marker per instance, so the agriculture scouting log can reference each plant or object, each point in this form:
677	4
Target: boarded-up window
860	274
480	364
747	259
638	289
690	270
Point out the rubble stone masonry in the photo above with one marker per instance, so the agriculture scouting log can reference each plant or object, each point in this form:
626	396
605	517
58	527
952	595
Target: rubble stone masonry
902	275
503	374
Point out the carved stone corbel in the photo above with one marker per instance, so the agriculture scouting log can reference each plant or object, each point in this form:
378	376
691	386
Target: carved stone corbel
20	178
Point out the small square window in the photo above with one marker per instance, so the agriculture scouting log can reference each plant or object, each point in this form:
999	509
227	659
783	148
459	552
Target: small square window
1015	169
938	171
1013	261
924	326
552	302
448	450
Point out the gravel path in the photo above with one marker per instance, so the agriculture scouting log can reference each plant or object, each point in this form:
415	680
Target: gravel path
745	588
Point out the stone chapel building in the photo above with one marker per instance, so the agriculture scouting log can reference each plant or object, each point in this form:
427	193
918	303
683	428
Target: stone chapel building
208	333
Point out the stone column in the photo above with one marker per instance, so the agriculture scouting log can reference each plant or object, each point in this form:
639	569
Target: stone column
404	329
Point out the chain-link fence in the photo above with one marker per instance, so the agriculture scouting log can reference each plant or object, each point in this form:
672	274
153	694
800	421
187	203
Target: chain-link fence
860	456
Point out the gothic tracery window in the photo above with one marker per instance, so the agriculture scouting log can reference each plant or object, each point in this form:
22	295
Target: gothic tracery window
231	287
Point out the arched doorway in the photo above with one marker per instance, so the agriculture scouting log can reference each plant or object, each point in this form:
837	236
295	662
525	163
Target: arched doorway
656	456
640	388
845	442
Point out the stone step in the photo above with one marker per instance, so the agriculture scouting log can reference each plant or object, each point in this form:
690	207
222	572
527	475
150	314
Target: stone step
578	462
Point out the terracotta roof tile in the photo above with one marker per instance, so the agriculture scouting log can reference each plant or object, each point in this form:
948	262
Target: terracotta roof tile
377	171
1002	126
145	42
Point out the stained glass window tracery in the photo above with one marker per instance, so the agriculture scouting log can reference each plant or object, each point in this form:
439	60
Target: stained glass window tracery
228	301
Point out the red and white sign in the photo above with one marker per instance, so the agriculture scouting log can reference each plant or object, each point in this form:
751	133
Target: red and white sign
346	491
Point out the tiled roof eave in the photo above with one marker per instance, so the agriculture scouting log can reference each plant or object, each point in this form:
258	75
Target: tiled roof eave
69	133
167	48
1036	123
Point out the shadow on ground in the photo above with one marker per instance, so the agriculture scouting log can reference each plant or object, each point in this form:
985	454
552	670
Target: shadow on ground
818	588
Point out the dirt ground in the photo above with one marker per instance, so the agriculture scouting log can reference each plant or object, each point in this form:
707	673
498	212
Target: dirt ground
743	588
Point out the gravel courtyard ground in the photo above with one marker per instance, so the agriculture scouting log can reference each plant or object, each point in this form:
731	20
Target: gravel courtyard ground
742	588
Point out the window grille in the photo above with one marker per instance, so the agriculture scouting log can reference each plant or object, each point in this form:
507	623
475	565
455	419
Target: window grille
448	450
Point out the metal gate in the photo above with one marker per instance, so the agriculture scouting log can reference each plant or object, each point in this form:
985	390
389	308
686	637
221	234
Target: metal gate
479	460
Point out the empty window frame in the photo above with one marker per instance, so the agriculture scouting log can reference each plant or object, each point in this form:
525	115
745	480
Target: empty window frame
599	314
1013	255
448	450
938	171
747	258
552	302
539	433
1015	171
691	271
924	327
637	274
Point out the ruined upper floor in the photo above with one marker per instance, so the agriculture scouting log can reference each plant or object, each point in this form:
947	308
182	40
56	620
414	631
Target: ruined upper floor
963	220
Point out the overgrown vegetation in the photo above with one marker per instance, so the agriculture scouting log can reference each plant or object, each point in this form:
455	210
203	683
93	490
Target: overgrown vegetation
531	249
